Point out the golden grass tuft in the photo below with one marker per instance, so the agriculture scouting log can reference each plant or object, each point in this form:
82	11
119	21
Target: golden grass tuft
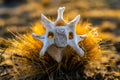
25	45
25	53
91	43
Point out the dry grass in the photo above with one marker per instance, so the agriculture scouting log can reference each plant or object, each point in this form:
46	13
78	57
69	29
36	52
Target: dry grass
25	54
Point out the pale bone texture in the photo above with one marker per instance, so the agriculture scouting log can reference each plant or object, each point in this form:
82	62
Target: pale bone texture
60	35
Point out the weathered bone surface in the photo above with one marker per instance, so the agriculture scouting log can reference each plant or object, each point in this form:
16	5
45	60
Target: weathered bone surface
60	33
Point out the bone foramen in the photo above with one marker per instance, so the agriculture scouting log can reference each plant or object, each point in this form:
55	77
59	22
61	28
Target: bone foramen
60	36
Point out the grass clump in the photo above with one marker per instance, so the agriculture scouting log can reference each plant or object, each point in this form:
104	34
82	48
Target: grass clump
27	64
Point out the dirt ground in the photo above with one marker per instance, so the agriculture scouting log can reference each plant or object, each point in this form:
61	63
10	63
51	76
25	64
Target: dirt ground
18	16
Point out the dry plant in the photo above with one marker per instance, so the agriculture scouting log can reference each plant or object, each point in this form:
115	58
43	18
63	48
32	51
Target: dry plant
26	62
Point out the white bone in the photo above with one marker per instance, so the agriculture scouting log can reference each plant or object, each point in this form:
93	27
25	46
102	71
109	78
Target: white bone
41	38
60	37
60	16
81	37
46	42
60	13
74	21
75	46
46	22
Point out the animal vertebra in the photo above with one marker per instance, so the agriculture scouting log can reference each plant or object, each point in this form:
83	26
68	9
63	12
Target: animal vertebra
60	34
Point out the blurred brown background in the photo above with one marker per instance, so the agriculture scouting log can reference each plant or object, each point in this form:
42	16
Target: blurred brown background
19	15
